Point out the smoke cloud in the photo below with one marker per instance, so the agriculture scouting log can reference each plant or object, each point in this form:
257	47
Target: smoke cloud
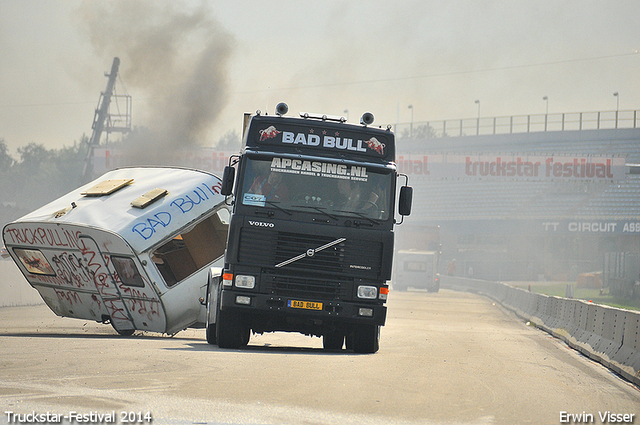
174	55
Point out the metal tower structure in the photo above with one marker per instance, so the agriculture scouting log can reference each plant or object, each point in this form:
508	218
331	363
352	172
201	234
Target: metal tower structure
103	120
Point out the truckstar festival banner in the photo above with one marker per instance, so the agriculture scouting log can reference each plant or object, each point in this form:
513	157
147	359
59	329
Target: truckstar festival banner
433	166
513	167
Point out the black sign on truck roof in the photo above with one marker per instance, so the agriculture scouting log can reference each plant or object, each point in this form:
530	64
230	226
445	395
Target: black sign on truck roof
318	137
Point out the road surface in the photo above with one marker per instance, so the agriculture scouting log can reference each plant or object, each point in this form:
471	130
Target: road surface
448	357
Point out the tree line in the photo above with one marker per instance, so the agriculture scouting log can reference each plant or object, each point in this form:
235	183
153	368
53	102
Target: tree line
37	176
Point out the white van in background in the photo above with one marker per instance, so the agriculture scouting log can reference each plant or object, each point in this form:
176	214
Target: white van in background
417	270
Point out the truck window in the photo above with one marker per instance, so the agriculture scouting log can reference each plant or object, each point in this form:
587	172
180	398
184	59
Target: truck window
194	249
335	188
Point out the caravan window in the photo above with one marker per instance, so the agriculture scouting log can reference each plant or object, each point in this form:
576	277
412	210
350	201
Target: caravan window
127	271
193	249
34	261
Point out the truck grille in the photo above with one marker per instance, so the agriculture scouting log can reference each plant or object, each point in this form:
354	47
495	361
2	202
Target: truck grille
305	287
351	257
290	245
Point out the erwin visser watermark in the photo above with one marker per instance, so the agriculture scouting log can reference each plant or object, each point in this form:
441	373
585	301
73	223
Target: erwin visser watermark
605	417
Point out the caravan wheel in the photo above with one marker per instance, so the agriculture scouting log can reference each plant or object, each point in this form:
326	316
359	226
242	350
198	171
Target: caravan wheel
125	332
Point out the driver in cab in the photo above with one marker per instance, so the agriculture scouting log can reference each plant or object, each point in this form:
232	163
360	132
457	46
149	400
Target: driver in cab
271	186
353	199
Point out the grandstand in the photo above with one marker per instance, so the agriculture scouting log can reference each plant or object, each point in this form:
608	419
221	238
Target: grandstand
530	205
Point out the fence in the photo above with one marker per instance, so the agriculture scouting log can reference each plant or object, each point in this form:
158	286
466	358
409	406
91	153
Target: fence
520	124
607	335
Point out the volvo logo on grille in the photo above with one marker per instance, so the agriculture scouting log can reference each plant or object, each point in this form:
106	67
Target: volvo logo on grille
310	252
261	224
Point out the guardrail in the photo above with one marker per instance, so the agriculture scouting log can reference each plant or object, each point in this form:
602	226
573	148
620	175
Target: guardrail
610	336
571	121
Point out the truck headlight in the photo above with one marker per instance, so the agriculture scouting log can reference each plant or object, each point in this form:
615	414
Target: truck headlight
243	281
367	292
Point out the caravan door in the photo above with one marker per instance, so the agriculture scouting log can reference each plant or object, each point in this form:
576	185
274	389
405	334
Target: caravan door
124	290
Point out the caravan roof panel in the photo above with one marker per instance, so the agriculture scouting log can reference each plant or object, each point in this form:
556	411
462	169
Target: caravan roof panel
190	194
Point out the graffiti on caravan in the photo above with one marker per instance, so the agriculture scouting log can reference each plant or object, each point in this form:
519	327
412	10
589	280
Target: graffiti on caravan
513	166
150	225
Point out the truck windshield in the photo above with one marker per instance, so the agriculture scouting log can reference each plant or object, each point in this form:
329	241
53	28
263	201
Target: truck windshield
330	188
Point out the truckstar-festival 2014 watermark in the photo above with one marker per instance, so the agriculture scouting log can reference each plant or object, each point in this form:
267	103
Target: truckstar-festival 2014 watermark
73	417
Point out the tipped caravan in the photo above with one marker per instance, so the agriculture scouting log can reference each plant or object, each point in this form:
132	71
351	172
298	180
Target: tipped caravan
134	248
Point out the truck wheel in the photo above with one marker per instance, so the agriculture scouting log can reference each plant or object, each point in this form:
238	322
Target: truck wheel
333	341
211	311
366	339
230	332
348	341
211	334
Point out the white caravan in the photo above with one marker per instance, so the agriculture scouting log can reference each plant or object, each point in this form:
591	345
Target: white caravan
133	248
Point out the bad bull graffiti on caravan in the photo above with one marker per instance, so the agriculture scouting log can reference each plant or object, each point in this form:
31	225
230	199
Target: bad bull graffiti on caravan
133	248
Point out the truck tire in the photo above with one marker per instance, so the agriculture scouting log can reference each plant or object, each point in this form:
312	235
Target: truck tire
348	341
211	330
230	332
333	341
366	339
212	306
211	334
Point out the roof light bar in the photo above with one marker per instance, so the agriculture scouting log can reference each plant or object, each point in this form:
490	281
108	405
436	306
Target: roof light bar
322	117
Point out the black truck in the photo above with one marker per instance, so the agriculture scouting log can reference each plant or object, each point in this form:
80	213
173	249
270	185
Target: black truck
310	242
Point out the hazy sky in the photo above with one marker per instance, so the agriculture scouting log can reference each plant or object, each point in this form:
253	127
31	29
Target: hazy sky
194	67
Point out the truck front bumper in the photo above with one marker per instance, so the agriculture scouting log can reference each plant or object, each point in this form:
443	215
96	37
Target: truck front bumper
336	311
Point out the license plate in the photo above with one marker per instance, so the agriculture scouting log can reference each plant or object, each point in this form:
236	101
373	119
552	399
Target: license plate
309	305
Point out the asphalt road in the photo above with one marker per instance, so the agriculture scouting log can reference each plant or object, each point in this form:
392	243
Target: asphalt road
445	358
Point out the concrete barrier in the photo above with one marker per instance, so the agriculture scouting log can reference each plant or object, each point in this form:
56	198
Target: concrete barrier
605	334
626	360
14	288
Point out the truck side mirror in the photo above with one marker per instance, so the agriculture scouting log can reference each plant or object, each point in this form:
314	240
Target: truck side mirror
406	199
228	177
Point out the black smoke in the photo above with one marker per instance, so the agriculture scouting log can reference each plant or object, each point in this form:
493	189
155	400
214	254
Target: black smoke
175	55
